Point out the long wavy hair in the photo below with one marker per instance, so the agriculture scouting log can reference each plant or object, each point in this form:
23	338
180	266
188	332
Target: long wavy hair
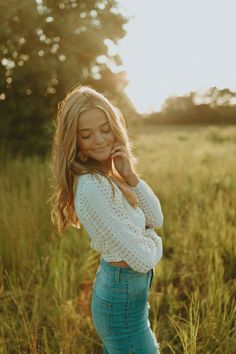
66	165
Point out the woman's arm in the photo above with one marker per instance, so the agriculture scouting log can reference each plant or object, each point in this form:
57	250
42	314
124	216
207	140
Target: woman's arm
149	203
109	226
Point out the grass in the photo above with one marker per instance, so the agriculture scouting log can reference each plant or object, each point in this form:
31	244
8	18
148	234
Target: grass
46	281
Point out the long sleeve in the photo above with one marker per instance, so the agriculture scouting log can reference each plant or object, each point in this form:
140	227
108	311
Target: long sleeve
109	224
149	203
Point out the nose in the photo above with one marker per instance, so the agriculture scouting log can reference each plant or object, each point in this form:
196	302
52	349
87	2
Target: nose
99	139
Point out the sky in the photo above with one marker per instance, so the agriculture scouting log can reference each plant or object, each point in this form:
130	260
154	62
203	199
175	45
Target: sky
173	47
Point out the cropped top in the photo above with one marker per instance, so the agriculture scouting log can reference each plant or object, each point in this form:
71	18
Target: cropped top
116	229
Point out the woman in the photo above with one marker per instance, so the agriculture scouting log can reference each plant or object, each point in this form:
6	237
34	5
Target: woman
98	186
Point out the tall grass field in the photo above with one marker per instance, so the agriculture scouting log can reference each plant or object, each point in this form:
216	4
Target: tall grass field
46	280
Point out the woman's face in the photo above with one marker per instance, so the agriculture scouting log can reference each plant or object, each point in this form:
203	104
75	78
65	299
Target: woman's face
95	137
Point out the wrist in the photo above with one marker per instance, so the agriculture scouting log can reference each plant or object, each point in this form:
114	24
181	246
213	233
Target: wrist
132	180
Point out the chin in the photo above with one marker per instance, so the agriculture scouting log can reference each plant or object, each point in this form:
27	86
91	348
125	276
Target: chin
101	158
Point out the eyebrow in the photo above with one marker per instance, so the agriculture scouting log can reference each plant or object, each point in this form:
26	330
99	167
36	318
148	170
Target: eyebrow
91	129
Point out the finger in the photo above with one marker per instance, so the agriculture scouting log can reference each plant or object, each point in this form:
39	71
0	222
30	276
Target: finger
115	153
115	150
119	153
120	147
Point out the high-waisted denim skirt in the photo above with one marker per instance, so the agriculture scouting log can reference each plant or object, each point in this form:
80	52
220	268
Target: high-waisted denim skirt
120	309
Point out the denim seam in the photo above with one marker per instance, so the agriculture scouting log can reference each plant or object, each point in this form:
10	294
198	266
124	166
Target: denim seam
117	276
127	316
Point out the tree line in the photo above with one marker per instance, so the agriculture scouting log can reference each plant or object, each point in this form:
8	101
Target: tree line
214	106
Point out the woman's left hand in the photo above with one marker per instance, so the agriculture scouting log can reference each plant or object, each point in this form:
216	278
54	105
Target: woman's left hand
121	160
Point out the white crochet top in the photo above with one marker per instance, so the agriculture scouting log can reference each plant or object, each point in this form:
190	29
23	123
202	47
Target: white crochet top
116	229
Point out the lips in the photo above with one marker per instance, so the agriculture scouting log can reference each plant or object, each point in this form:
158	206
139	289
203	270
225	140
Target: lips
101	149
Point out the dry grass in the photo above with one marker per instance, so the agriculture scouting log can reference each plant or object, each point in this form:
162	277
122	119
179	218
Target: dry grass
45	281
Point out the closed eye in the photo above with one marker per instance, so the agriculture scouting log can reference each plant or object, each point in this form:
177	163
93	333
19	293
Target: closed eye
104	131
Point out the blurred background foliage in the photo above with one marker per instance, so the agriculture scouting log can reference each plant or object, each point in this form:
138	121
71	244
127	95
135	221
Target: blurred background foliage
48	47
214	106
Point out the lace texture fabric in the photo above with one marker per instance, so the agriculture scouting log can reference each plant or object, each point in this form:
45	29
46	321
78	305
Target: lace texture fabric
116	229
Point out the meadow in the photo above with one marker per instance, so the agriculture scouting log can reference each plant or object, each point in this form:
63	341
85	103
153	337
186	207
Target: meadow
46	280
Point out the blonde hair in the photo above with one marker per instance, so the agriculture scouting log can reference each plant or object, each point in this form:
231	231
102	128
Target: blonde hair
67	167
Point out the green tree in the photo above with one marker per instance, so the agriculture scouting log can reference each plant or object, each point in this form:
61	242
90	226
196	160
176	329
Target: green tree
46	48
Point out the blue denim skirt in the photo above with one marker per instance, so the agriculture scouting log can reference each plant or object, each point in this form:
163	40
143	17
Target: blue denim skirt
120	309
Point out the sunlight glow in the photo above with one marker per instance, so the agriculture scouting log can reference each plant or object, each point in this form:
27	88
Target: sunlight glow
174	47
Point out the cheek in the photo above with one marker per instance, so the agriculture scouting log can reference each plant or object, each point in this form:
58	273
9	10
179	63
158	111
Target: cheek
111	138
83	144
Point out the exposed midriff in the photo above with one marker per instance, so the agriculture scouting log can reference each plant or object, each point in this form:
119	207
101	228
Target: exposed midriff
120	264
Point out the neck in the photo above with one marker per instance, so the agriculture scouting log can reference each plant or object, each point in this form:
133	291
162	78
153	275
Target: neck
107	165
